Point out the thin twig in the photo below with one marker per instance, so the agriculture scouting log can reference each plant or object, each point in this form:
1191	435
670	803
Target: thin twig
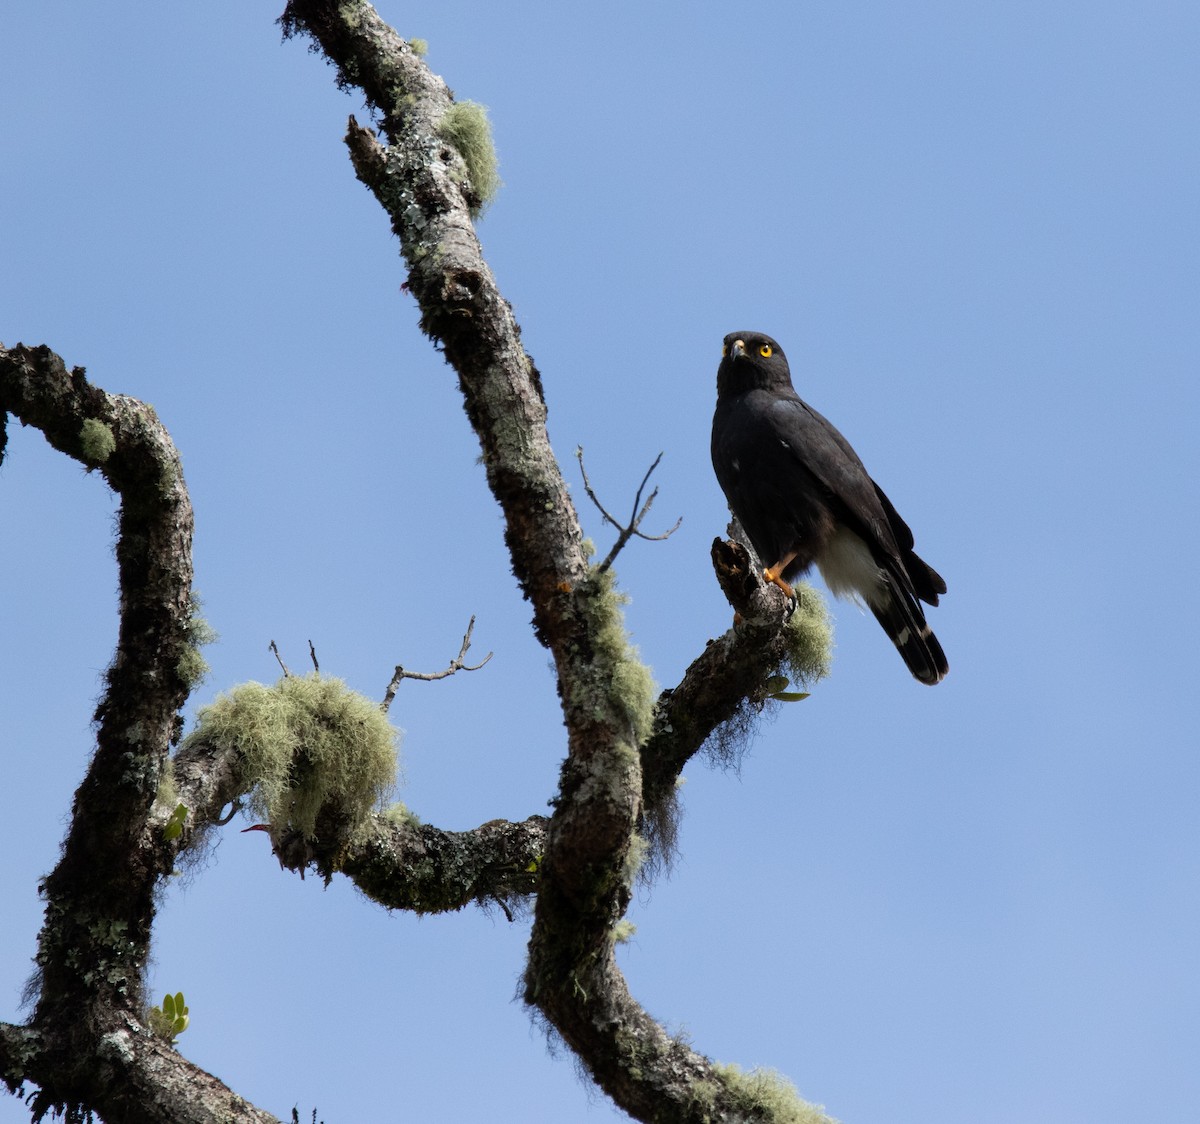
313	654
457	664
640	511
235	806
286	674
501	903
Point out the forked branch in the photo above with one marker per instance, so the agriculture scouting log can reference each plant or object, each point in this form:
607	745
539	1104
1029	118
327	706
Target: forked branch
85	1045
584	889
457	664
626	531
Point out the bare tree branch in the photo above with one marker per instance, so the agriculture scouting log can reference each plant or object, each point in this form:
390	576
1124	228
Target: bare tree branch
274	648
627	531
715	690
457	664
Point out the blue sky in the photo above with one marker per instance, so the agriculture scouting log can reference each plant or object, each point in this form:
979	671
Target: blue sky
973	228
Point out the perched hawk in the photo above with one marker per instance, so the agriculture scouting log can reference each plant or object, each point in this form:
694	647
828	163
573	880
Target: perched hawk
803	496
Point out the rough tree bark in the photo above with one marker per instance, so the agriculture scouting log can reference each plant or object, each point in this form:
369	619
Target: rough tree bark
87	1046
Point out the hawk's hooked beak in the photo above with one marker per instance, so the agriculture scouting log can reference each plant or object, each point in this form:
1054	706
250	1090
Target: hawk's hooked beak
738	349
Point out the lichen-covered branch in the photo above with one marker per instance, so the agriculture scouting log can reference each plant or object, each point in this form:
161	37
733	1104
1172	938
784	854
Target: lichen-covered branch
423	183
652	1075
423	180
313	758
406	865
148	1082
85	1046
731	681
18	1045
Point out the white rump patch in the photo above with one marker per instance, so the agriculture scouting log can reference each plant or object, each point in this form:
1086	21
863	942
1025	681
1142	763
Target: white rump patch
850	571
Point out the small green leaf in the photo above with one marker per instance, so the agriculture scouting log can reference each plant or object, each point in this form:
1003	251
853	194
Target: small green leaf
775	684
174	826
171	1019
790	696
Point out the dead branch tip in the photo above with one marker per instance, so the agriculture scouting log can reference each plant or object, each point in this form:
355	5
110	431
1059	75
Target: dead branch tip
274	648
640	510
457	664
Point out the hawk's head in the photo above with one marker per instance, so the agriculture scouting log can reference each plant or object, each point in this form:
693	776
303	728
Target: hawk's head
749	360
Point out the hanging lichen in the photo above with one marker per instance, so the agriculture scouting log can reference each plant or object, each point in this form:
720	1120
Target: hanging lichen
311	748
465	125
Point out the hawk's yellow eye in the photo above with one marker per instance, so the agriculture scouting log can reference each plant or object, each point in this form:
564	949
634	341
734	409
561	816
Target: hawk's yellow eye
724	350
766	350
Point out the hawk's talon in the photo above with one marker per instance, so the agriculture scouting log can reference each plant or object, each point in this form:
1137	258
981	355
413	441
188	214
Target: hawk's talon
773	576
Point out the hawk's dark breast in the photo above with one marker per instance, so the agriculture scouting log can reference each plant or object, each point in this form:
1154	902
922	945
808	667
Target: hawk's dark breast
780	503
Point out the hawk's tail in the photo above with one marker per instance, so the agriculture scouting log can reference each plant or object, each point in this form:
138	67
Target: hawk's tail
901	617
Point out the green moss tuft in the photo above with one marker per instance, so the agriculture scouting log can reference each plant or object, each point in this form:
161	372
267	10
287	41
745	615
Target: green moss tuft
97	440
465	125
192	666
419	47
621	675
311	747
401	816
767	1095
167	795
622	932
809	637
635	857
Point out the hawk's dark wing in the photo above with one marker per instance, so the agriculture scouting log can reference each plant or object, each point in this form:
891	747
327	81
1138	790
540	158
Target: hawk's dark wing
888	575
